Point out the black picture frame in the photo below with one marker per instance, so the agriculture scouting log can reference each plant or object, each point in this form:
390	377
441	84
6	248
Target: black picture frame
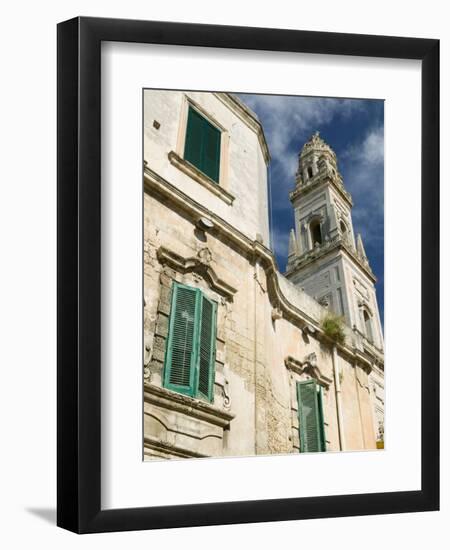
79	281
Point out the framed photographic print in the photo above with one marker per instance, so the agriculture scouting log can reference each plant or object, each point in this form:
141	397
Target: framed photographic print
248	304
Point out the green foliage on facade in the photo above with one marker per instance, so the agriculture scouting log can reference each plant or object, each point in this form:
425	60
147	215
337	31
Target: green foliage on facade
333	327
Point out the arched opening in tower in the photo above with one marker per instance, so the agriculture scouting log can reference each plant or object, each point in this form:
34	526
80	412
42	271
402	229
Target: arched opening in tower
368	325
316	232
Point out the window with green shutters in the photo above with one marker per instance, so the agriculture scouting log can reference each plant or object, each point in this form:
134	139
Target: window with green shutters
310	417
202	145
191	343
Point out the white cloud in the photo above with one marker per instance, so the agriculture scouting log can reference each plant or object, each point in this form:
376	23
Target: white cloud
288	118
363	164
373	147
371	151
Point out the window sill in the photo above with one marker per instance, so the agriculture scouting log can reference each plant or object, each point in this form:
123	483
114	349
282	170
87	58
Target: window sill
190	406
191	171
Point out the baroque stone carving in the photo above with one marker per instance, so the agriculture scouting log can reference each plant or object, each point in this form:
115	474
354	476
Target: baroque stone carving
311	359
222	381
316	143
308	329
199	264
205	255
276	314
308	366
324	301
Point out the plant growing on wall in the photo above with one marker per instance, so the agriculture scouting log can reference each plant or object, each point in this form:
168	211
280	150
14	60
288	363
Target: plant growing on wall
333	327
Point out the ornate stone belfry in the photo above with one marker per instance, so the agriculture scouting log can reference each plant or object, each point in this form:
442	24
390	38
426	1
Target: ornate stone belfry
325	257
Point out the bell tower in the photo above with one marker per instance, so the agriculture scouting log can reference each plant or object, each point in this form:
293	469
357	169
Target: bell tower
325	257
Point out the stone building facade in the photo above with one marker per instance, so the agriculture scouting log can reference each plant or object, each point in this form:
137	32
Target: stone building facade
236	359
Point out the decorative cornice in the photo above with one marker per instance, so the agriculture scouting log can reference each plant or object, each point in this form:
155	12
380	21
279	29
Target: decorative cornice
198	264
248	117
315	215
308	366
324	250
162	397
364	360
318	180
197	175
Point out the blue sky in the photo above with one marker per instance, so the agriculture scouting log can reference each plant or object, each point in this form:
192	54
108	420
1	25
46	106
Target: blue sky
354	128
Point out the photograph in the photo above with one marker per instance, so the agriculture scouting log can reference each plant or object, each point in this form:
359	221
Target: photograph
233	214
263	272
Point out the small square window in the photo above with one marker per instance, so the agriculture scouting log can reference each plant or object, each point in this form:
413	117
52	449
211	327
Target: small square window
202	145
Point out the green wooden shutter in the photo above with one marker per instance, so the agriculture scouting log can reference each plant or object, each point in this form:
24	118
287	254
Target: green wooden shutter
194	138
323	444
211	151
309	417
180	359
191	343
202	145
207	348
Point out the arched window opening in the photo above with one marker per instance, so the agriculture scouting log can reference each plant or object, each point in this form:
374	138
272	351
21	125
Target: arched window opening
316	232
344	231
368	325
310	172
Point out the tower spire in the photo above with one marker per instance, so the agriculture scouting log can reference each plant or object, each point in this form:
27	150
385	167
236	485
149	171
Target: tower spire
360	247
293	249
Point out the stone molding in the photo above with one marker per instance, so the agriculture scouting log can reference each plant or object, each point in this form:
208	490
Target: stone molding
162	397
199	265
248	117
197	175
308	366
154	444
370	346
276	314
253	250
339	243
319	179
364	304
314	215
